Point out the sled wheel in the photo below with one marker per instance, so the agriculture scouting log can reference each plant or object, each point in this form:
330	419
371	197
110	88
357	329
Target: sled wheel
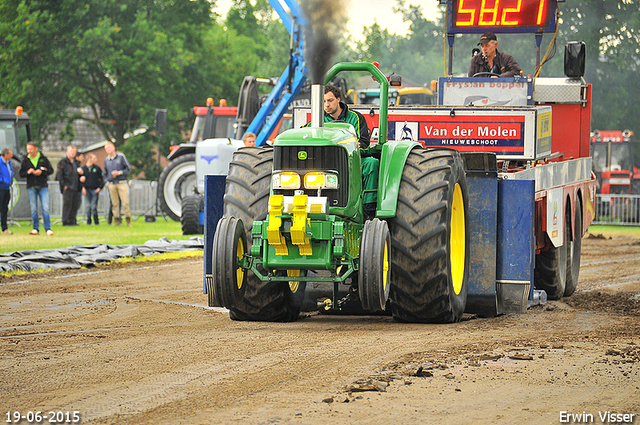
429	239
574	250
550	273
229	247
190	217
375	271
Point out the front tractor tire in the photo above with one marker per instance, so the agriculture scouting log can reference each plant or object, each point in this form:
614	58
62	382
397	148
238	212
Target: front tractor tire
430	240
246	197
227	286
375	270
177	181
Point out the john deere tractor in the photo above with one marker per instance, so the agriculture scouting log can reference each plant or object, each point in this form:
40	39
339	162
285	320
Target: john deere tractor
293	214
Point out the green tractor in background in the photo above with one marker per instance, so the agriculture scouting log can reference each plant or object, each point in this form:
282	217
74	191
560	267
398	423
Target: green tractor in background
293	214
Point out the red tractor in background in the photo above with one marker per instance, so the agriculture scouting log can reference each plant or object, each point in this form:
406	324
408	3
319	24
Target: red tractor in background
613	162
616	173
178	179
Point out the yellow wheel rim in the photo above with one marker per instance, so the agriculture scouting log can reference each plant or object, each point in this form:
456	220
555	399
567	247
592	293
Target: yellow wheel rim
293	284
457	240
385	266
240	270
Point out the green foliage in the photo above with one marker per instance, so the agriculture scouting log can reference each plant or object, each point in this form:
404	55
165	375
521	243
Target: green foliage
125	58
121	58
610	31
142	154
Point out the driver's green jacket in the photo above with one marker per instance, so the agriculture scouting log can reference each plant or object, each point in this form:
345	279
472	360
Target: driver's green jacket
370	165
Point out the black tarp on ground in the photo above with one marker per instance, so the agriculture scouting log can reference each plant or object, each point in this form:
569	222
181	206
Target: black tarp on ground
77	256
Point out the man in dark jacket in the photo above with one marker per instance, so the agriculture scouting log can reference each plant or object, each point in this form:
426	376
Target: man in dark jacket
35	167
69	173
91	187
491	60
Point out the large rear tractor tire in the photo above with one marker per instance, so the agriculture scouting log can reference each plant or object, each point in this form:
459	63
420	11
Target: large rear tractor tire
229	247
430	240
190	216
375	270
550	273
246	197
574	250
177	181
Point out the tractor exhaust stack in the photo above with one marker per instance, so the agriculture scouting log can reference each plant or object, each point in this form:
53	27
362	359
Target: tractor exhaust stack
317	105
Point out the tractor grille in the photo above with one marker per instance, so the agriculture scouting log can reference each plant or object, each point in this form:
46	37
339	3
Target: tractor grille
319	158
616	189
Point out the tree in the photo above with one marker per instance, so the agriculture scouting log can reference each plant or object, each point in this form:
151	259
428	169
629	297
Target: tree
122	58
611	32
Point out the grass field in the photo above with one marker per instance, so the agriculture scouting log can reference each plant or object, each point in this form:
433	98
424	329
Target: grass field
609	230
65	236
141	232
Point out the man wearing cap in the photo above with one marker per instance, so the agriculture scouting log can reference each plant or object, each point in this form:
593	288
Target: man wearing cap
491	60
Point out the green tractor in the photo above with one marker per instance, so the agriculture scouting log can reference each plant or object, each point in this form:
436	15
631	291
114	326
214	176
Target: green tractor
293	214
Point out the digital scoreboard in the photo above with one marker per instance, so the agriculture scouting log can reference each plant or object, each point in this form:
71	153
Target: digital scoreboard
500	16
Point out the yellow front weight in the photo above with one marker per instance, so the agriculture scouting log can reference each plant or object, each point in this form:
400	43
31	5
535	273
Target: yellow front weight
275	238
299	224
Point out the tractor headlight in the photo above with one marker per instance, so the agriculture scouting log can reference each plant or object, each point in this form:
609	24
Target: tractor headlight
320	180
285	180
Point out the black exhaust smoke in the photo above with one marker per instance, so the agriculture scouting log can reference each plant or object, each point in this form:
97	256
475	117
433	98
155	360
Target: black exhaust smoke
325	23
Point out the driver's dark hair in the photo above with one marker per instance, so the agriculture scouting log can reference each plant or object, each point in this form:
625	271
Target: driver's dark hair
333	89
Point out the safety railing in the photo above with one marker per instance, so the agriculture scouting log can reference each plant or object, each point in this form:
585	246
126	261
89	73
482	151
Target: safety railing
623	210
142	200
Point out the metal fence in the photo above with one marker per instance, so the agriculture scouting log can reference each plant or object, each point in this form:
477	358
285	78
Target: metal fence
142	200
623	210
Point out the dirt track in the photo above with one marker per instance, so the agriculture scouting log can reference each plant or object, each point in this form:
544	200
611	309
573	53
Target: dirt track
136	344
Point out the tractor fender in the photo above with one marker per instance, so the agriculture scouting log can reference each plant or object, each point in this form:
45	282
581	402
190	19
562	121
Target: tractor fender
394	156
180	150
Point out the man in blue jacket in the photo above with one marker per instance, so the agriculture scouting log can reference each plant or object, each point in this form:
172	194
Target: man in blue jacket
6	180
116	171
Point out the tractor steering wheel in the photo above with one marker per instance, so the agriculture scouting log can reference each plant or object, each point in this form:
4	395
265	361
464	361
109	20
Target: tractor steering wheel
486	74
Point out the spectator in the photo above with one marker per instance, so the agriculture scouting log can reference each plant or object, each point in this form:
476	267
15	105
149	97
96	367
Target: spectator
6	180
69	174
249	139
35	167
116	170
80	158
91	187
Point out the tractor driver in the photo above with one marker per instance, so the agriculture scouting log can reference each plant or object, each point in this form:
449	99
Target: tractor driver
336	110
491	60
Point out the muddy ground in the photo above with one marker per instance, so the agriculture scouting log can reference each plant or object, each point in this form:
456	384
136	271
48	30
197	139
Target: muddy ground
136	344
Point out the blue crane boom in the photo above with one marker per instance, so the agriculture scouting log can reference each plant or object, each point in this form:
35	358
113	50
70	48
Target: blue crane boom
292	79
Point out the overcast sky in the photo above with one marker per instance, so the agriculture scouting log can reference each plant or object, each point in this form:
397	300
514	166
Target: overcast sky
365	12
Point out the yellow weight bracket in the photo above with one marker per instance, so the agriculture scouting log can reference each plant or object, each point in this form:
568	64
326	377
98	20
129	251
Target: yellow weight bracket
299	224
275	238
